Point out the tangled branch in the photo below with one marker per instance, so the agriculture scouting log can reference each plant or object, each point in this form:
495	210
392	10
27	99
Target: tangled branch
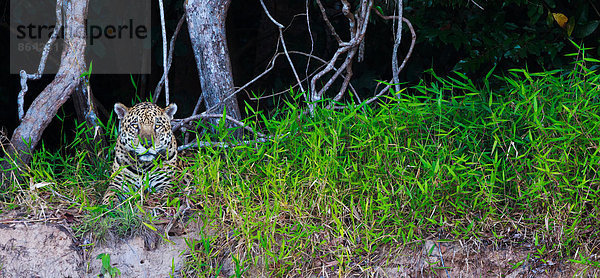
357	25
346	52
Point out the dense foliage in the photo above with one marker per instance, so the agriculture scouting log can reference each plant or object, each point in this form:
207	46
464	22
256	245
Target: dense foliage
459	35
471	149
515	164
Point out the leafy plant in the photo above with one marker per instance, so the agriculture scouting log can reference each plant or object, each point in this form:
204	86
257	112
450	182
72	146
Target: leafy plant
107	268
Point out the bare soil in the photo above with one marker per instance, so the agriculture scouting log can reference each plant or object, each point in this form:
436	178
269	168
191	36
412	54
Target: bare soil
29	249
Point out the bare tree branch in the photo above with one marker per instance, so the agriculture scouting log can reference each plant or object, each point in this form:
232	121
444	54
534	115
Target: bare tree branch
164	56
312	42
351	20
413	37
412	43
270	66
357	25
397	41
346	65
24	76
46	104
306	78
159	86
280	27
267	70
406	58
326	19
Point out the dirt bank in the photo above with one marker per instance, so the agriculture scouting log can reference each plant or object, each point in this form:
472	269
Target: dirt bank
30	249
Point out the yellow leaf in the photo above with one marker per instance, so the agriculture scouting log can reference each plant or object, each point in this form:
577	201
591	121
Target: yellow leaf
561	19
149	226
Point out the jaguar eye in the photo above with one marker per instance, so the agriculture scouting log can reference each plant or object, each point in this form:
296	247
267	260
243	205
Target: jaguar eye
136	126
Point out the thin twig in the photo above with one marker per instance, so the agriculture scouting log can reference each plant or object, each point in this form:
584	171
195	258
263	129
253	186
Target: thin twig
201	144
478	6
198	103
594	6
397	41
408	54
412	43
350	17
328	23
164	41
181	211
442	258
361	46
270	67
24	76
412	32
306	78
280	27
267	70
24	221
312	42
180	122
196	108
287	55
158	88
320	60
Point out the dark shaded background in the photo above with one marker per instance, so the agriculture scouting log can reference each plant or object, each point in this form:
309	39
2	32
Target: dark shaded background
452	35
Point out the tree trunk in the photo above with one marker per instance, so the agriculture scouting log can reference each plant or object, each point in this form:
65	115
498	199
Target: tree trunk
46	104
206	26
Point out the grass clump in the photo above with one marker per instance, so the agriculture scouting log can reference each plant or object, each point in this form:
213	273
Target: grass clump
445	159
449	159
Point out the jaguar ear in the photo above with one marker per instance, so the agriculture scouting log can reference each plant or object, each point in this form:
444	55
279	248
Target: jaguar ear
121	110
170	110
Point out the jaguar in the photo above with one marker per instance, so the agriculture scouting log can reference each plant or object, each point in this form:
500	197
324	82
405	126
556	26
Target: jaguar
145	151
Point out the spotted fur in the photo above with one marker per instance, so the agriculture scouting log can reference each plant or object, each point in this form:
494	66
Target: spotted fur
146	149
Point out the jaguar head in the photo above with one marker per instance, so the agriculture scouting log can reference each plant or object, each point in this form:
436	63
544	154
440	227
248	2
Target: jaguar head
145	130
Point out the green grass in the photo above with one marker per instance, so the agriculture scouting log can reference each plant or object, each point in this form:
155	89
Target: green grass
446	159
